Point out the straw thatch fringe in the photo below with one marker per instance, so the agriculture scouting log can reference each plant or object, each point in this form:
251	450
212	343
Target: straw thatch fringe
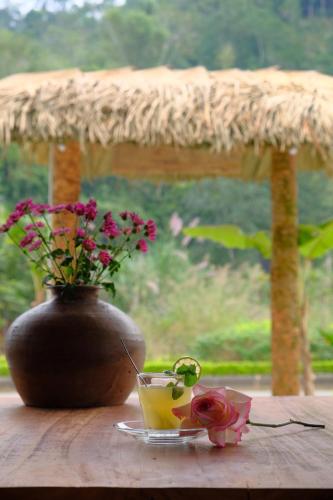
222	110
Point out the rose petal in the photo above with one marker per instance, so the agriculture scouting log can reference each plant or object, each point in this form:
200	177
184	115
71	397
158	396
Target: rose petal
233	437
199	389
189	423
217	436
238	424
236	396
241	402
182	411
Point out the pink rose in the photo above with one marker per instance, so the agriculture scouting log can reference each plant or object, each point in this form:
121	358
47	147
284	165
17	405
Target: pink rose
223	411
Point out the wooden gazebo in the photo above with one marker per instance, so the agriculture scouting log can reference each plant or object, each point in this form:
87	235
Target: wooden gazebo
185	124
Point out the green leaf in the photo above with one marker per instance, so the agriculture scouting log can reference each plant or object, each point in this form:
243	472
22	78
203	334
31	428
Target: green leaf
262	242
233	237
190	374
190	379
109	286
66	262
230	236
177	392
327	335
307	233
320	244
58	252
183	369
113	267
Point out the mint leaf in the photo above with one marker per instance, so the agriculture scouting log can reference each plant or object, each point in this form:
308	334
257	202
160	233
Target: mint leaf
190	374
177	392
190	379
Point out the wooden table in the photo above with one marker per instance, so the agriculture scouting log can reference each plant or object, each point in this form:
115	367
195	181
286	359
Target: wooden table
77	454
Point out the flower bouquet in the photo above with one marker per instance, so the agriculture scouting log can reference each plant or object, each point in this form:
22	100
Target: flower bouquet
67	352
88	254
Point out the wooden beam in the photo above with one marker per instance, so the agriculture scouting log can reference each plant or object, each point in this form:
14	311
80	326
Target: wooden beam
284	276
65	179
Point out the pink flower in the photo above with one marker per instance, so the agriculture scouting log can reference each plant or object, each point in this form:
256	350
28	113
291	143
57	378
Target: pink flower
79	208
39	208
35	245
124	215
70	207
28	238
136	219
110	227
224	412
35	225
142	246
61	231
56	209
91	210
151	230
12	219
89	244
24	205
80	232
104	257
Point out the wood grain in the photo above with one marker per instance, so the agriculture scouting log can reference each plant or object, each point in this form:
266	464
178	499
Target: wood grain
285	307
78	454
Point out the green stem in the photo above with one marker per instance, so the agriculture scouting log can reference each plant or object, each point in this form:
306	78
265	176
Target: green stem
47	247
47	270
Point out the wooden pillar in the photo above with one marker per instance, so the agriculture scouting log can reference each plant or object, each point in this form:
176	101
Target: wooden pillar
65	179
284	276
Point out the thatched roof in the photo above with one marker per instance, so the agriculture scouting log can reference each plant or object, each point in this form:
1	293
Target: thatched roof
233	115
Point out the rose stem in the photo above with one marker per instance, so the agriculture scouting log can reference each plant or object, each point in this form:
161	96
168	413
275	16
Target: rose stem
291	421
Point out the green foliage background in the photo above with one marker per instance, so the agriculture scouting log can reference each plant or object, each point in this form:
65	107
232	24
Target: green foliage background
218	34
181	296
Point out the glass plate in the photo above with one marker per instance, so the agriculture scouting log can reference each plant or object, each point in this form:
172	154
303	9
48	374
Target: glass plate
136	429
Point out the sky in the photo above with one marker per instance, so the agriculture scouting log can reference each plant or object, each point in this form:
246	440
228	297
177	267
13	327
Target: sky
26	5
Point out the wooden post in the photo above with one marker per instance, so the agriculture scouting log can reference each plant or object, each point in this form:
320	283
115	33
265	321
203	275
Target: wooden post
65	179
284	276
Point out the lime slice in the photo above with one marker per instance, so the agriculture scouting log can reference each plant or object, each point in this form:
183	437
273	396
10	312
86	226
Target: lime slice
190	368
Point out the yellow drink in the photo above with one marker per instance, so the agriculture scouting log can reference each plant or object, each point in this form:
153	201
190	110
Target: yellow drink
156	403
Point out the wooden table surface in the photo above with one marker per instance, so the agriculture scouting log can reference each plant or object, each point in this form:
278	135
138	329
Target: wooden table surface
77	454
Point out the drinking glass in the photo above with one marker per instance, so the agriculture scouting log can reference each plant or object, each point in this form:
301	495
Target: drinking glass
157	392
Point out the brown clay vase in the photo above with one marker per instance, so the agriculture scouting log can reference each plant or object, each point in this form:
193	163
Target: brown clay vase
67	352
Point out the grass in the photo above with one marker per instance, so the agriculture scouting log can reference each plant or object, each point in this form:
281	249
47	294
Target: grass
211	368
236	367
3	367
